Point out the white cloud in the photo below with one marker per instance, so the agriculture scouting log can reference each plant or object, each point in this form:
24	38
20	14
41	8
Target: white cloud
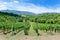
5	3
36	9
16	1
15	5
2	7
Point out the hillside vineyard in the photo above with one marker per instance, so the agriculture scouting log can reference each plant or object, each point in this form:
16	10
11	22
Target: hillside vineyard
13	23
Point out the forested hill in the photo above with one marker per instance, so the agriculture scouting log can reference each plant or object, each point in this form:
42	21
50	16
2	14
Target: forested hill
18	12
6	13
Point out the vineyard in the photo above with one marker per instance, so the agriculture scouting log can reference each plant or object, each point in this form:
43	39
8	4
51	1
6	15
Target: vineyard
13	24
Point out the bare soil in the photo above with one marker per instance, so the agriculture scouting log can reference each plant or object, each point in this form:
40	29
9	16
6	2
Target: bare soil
30	37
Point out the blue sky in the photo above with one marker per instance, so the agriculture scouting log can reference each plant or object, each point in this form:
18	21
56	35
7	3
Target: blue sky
35	6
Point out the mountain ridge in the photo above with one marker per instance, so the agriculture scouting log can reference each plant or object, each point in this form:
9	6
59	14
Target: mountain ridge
18	12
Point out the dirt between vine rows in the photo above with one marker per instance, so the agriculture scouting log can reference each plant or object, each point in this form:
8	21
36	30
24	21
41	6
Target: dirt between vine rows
29	37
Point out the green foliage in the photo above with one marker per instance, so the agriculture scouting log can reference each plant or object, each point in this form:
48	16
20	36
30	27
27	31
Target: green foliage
42	26
9	19
44	20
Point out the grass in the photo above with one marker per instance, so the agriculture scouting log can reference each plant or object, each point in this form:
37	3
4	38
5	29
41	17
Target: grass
32	31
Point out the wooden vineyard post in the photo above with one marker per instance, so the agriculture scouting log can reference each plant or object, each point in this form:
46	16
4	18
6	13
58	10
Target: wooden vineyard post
3	28
13	30
46	25
24	21
36	20
50	27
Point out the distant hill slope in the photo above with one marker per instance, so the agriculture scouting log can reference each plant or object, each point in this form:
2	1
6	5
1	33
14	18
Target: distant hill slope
18	12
